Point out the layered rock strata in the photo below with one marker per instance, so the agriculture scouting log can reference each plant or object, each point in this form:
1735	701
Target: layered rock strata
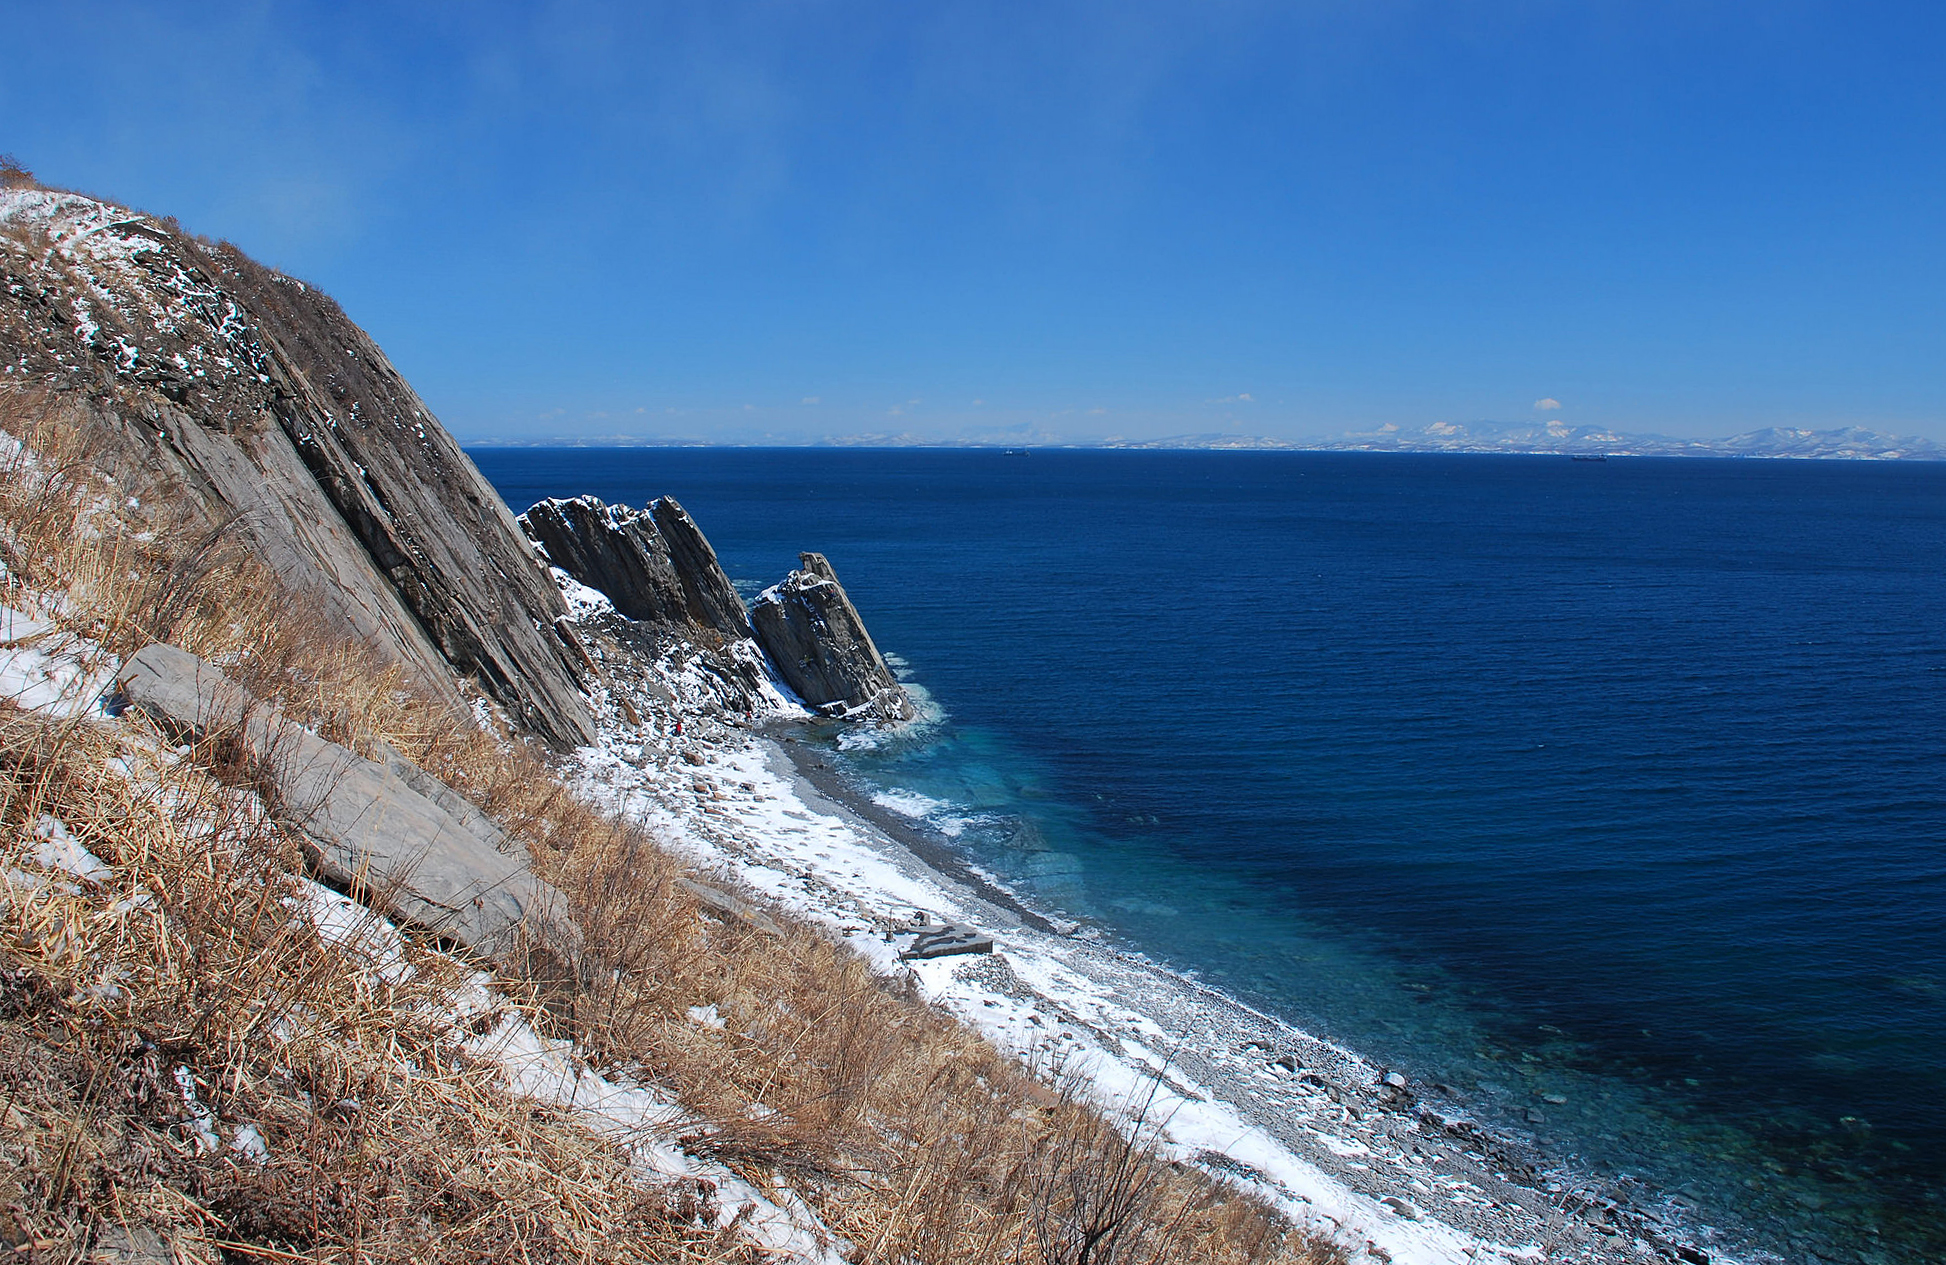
663	578
251	406
818	644
713	600
676	617
386	830
613	550
654	564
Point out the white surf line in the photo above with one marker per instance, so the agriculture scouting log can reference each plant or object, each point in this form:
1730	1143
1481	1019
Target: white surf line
745	811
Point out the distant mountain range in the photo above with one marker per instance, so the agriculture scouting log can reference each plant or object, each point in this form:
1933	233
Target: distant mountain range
1849	443
1846	443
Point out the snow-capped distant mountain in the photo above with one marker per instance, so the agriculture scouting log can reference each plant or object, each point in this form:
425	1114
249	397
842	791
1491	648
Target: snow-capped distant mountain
1845	443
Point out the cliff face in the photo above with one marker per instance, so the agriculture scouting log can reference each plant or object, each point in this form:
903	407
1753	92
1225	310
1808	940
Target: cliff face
676	615
251	399
614	550
250	404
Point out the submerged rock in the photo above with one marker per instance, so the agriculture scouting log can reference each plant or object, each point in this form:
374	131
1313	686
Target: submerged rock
818	643
386	831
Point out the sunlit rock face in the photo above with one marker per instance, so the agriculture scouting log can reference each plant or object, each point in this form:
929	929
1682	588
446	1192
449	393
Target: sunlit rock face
256	410
818	643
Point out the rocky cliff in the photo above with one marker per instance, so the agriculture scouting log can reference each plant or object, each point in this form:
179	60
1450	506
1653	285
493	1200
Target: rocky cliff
612	549
249	404
713	600
654	564
666	585
254	410
819	645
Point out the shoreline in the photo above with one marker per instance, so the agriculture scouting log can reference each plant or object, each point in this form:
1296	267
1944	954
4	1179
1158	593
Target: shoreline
1334	1140
1491	1150
935	853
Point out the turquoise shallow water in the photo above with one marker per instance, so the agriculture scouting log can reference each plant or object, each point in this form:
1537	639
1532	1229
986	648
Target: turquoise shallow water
1608	794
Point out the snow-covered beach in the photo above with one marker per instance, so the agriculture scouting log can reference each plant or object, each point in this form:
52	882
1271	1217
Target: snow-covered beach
1331	1138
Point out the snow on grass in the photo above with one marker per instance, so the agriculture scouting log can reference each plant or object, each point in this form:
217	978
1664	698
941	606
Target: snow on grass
640	1118
355	929
44	668
202	1121
127	264
56	848
59	674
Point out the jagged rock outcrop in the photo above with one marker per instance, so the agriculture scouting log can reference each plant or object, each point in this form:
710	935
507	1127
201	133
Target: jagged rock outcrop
654	564
818	643
388	831
216	385
661	574
677	619
613	550
713	600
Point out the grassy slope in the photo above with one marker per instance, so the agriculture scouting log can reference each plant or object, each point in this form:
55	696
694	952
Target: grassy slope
909	1136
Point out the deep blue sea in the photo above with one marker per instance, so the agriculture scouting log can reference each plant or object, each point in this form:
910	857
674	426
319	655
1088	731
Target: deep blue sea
1616	783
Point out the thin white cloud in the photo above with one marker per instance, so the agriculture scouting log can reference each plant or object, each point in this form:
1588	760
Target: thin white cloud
811	399
1548	405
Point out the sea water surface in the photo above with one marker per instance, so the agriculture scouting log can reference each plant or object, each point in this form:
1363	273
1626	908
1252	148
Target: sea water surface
1611	796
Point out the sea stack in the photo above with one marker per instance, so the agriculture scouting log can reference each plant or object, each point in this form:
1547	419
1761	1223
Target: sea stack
818	644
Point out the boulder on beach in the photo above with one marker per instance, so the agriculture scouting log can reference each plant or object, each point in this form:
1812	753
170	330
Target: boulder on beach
928	939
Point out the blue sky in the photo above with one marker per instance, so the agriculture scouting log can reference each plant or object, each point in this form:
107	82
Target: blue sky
791	220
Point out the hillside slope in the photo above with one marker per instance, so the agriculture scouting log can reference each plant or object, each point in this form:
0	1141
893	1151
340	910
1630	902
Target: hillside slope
209	1053
251	403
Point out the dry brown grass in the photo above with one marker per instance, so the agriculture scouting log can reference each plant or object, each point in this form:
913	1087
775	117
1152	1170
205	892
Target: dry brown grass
911	1137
